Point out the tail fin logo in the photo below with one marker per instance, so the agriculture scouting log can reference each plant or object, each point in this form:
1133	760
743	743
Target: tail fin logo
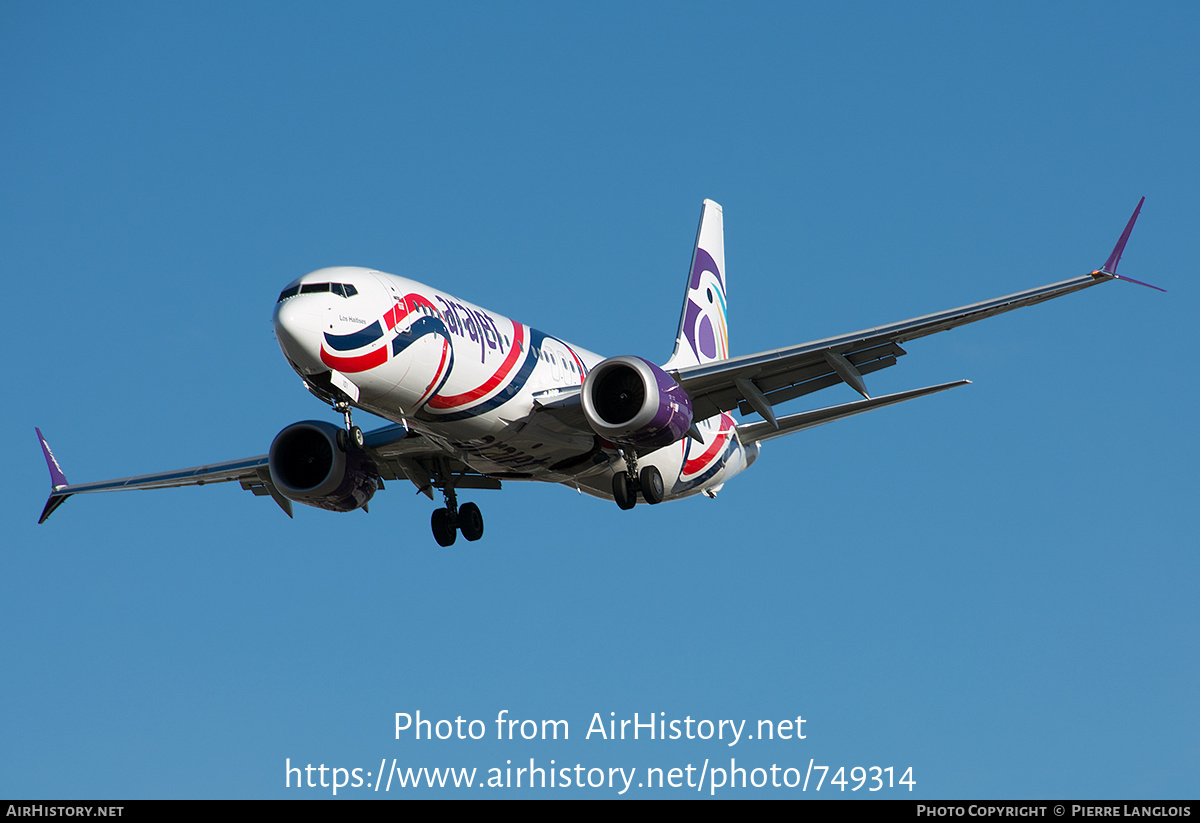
703	326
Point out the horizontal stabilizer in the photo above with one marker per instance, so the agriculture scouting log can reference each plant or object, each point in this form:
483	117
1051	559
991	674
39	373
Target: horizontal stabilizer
757	432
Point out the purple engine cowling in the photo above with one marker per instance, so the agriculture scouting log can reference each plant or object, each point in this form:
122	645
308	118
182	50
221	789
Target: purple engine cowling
632	402
308	466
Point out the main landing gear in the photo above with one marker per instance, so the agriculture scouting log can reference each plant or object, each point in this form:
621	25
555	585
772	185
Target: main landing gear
628	483
352	434
449	521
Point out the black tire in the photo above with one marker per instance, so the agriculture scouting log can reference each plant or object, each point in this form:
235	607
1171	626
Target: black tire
653	489
444	531
623	491
343	440
356	437
470	521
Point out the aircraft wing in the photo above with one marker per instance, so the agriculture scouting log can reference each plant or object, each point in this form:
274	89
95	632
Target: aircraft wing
396	451
251	471
756	382
784	374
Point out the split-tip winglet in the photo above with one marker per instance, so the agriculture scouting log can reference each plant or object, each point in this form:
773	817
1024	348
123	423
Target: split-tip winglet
1110	265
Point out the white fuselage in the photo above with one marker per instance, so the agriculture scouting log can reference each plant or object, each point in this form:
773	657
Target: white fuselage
468	379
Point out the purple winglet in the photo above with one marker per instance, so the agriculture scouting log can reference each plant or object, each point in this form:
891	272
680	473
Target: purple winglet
1110	265
1139	282
57	478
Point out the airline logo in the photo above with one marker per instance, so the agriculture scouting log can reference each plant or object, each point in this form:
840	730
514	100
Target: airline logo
459	401
426	321
704	317
415	317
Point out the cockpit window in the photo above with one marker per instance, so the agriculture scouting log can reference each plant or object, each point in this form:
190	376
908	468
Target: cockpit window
340	289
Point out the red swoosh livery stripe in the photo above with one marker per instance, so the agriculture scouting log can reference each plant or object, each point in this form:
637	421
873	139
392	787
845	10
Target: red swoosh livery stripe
437	374
514	354
355	364
698	464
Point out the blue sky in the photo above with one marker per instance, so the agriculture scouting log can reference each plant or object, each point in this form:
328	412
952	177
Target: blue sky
994	586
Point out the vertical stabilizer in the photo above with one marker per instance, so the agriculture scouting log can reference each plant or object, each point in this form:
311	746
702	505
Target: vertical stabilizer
703	335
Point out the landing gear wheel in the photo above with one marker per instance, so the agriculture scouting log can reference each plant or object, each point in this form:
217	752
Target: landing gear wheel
352	434
624	491
444	531
653	490
470	521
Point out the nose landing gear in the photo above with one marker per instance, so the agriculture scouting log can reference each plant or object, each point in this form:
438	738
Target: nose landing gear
352	435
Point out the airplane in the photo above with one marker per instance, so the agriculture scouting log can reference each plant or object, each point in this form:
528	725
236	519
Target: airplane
475	398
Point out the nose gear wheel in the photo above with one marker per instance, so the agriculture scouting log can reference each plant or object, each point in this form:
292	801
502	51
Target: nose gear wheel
352	435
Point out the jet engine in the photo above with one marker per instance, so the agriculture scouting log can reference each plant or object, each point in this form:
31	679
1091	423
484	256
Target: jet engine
308	466
632	402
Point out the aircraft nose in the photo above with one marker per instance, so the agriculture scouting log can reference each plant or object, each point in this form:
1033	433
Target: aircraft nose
298	330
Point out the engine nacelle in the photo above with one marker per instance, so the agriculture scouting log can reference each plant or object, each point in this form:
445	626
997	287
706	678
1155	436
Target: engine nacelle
308	466
632	402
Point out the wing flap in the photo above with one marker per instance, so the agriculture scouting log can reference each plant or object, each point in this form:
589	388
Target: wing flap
808	385
762	430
